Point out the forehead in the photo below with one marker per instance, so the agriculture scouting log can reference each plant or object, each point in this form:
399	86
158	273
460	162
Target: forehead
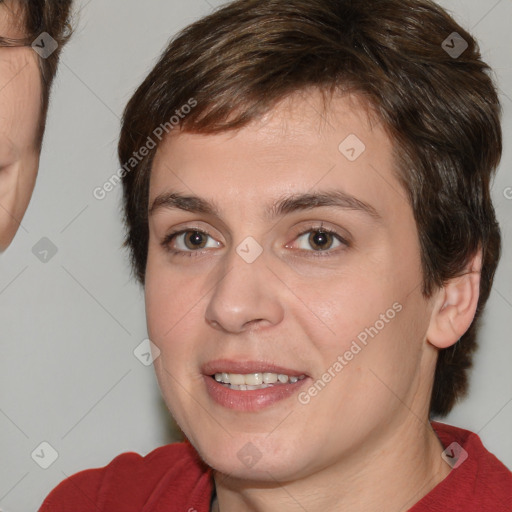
296	147
12	20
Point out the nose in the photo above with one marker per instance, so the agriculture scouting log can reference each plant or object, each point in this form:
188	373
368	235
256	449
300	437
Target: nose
247	296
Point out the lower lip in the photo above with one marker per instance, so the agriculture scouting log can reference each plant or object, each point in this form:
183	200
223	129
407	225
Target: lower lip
251	400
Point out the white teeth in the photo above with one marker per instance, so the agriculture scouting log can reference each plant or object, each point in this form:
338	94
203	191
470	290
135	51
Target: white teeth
270	378
251	381
246	387
236	378
254	379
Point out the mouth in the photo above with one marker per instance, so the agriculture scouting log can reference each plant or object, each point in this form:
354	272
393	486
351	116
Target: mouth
250	385
252	381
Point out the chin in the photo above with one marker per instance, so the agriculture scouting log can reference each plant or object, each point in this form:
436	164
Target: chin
251	457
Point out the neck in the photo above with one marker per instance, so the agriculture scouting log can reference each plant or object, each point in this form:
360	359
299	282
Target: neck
392	477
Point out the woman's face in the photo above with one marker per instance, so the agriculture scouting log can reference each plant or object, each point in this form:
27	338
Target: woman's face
265	279
20	113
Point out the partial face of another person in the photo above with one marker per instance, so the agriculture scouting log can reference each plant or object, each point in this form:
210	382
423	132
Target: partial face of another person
247	278
20	120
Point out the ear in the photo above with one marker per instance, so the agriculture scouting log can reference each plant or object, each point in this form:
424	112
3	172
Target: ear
455	305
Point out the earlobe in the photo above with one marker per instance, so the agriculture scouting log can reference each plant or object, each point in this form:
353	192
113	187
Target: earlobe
455	306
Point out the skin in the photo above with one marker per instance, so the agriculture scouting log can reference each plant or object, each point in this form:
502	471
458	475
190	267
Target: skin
364	442
20	111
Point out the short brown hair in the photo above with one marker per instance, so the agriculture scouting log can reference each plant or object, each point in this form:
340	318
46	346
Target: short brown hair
53	17
441	110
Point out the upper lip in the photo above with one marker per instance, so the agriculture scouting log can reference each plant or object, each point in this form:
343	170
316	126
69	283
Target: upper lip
245	367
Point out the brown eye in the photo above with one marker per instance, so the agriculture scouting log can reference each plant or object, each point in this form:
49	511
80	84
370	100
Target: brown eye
195	240
320	240
189	241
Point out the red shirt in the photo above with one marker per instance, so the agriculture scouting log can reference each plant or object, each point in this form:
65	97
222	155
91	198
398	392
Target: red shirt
174	478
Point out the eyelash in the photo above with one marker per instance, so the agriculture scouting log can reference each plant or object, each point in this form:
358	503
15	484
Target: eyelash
314	254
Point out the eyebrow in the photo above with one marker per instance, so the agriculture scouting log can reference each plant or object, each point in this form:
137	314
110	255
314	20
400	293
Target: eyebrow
283	206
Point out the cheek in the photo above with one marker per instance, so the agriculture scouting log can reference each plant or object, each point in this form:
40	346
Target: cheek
21	99
164	303
29	166
173	301
342	307
168	309
365	322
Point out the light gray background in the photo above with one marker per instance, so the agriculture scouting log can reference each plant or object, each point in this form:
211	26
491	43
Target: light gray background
69	326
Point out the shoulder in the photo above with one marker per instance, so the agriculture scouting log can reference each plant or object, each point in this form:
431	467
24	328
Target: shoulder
131	480
478	481
476	457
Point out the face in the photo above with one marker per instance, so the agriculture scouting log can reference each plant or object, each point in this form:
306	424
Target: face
286	248
20	108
